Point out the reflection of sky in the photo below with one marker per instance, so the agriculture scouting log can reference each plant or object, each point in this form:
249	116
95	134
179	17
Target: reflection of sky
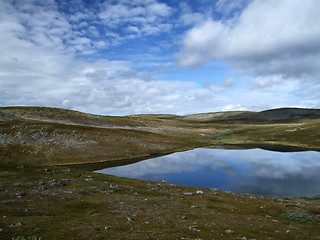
252	171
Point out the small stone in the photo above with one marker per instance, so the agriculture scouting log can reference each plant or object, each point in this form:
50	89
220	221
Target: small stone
229	231
23	209
188	193
268	216
194	228
288	231
184	218
146	222
41	182
107	227
43	188
56	182
216	194
129	219
20	194
18	224
194	206
199	192
276	221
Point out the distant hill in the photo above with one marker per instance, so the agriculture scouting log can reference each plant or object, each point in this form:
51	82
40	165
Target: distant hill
273	114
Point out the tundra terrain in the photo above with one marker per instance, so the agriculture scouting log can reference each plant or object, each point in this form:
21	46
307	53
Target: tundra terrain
44	194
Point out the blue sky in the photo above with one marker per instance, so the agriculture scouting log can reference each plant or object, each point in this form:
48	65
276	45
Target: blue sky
151	56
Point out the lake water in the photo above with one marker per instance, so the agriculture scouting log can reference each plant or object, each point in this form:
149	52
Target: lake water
253	171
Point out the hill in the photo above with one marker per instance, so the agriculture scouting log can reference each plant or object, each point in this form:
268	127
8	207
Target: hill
60	136
44	194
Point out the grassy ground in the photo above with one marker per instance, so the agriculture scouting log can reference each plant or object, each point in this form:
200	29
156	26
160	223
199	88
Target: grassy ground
41	197
66	203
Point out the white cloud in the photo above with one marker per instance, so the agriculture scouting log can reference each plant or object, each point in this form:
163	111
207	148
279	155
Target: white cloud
147	17
268	38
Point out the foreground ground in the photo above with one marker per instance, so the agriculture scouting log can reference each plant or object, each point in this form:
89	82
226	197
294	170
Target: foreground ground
41	196
66	203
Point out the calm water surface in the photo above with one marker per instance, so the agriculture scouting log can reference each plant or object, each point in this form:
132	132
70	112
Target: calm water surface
253	171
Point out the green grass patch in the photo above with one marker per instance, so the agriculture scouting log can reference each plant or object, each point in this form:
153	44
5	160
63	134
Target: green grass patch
298	216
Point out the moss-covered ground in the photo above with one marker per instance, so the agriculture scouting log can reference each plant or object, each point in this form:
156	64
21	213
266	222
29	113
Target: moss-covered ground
41	196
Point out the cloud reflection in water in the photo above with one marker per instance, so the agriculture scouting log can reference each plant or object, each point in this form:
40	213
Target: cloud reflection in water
252	171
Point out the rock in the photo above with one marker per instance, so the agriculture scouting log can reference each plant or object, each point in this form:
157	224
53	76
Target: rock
199	192
216	194
146	222
56	182
43	188
276	221
108	227
188	193
194	206
184	218
9	201
194	228
229	231
20	194
130	219
41	182
23	209
18	224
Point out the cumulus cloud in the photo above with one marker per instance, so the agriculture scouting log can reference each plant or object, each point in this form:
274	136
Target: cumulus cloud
56	54
279	38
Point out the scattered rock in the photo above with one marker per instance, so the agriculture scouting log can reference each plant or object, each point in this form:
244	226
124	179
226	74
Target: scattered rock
229	231
18	224
146	222
194	206
184	218
188	193
56	182
20	194
194	228
276	221
41	182
43	188
23	209
130	219
199	192
108	227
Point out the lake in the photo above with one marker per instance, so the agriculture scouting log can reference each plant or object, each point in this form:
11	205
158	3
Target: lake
253	171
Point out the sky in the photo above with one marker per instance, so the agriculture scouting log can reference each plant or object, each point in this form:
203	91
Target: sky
160	56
